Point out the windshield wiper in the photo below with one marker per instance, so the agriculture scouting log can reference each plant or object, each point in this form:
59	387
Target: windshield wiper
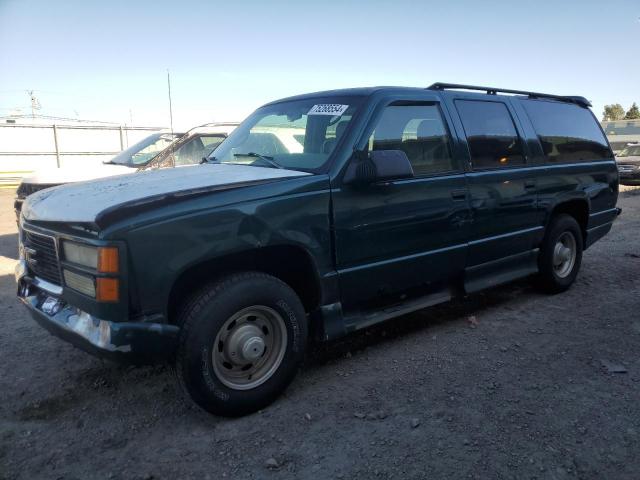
264	158
209	160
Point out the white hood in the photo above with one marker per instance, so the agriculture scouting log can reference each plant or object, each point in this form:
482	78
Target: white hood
58	176
82	202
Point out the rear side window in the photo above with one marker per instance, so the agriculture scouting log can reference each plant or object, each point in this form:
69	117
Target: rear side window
420	132
568	133
491	134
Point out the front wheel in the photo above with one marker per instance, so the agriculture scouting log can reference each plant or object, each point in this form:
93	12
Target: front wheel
560	255
242	342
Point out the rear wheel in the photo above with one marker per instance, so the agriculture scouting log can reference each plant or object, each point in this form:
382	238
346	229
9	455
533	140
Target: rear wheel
560	255
242	342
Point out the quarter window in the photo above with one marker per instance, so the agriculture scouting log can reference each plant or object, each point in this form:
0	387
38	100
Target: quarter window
420	132
491	134
568	133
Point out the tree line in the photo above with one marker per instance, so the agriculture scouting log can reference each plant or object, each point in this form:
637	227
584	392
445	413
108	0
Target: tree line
616	112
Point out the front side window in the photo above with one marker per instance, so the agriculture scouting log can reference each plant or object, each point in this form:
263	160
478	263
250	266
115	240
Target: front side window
420	132
491	134
297	134
192	152
568	133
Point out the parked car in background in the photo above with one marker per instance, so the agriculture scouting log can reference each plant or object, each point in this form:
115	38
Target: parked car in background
159	150
629	164
390	200
193	146
126	161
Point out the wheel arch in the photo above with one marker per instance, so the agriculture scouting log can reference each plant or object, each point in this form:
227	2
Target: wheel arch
289	263
578	208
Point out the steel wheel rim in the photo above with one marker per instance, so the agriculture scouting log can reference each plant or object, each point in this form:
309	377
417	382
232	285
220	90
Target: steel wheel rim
564	254
249	347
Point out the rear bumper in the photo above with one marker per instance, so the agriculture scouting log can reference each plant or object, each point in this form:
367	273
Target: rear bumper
130	342
600	227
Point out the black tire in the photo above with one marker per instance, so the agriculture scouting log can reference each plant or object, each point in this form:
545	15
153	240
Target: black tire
549	279
202	319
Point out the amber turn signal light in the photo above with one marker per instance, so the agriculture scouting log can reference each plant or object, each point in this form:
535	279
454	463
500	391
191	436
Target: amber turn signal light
107	289
108	260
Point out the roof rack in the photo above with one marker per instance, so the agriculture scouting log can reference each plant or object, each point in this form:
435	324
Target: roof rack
583	102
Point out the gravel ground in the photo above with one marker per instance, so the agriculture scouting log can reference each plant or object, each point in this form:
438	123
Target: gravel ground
508	383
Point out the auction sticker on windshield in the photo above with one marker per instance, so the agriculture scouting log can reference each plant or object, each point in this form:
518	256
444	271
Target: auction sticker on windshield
332	109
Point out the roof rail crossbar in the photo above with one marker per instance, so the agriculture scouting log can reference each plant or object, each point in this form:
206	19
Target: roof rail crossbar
583	102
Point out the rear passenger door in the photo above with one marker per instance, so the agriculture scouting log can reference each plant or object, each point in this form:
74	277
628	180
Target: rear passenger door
506	223
409	234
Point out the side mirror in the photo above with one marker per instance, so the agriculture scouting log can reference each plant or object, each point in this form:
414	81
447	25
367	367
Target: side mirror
380	165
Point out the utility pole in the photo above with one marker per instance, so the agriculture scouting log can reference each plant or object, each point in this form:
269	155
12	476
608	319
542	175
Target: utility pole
173	158
35	103
170	107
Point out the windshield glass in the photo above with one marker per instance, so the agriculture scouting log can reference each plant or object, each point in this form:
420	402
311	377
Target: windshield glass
630	151
190	149
143	151
299	134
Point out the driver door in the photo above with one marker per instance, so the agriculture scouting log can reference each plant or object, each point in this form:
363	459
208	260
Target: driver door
404	236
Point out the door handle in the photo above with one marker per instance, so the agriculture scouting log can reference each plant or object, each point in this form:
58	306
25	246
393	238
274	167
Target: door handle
459	194
529	184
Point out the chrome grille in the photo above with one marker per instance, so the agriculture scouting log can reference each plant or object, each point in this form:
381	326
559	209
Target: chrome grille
41	256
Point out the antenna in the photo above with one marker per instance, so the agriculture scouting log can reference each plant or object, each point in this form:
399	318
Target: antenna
173	159
170	106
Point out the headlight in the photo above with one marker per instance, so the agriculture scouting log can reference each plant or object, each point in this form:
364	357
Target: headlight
99	259
102	259
80	254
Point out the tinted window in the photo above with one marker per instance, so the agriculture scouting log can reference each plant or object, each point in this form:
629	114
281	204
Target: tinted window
491	134
567	132
420	132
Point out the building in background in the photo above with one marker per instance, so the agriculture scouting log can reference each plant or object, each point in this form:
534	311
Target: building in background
621	132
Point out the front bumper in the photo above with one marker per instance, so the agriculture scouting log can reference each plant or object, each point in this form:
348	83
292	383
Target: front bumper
17	206
131	342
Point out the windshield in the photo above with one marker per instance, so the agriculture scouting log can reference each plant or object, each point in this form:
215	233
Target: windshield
143	151
630	151
299	135
190	149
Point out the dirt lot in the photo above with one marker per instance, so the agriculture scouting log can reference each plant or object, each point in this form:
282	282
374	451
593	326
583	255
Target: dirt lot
504	384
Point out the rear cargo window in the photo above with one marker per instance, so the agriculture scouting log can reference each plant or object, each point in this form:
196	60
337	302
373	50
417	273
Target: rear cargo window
568	133
491	134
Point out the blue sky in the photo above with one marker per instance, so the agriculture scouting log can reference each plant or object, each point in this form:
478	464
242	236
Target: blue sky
107	60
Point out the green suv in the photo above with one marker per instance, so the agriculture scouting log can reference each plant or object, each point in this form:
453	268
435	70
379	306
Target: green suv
319	215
